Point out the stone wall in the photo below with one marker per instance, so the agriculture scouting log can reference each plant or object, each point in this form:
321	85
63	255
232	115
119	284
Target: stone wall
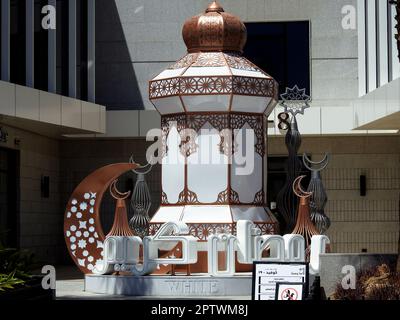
370	222
40	219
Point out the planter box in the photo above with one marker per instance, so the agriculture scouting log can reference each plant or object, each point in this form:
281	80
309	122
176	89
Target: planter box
332	264
31	291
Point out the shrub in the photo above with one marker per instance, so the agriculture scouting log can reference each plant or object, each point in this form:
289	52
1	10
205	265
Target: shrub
378	283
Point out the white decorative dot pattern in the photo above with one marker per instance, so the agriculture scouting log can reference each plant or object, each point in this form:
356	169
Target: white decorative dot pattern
81	234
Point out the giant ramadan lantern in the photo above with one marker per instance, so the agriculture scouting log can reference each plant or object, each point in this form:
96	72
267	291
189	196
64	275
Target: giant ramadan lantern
223	101
213	218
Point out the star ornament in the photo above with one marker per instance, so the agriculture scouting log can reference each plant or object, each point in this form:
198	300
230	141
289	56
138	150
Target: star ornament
295	100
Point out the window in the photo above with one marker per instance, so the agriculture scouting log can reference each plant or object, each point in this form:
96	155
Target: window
41	48
62	46
17	41
282	49
82	49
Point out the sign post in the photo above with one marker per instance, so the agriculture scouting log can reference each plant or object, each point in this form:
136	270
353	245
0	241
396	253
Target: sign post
266	276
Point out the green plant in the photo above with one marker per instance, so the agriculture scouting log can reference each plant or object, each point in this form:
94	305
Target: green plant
15	266
13	260
9	281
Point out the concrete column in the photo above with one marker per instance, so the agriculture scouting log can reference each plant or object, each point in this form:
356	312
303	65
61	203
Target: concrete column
362	53
383	55
371	39
30	43
52	55
5	40
91	51
395	63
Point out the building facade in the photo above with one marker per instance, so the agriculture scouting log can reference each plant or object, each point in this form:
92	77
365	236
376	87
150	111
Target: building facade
47	90
103	53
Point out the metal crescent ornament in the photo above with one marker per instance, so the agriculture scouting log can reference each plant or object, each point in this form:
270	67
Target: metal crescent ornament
116	194
146	169
323	163
83	232
298	189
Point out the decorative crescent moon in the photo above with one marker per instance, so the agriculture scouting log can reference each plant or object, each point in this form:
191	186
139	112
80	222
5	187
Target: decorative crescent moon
323	163
82	226
298	190
146	169
116	194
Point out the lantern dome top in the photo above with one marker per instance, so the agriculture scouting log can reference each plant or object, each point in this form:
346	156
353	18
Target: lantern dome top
214	76
214	30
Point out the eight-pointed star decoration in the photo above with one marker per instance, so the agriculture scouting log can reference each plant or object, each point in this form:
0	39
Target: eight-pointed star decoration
295	100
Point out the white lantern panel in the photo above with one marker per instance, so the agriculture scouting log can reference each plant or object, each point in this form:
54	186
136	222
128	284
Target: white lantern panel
207	168
246	174
168	105
167	214
256	214
207	214
250	103
248	73
173	167
208	103
169	73
271	106
207	71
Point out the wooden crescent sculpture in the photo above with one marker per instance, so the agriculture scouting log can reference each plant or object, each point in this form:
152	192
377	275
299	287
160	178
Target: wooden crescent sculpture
82	226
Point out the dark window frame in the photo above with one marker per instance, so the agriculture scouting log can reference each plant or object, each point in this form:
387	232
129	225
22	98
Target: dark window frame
18	42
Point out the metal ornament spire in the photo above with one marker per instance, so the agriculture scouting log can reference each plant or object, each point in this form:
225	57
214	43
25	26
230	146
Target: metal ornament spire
120	226
304	226
215	7
140	201
319	197
295	100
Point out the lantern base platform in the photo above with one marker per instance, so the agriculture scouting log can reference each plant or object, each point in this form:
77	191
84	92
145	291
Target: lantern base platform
200	285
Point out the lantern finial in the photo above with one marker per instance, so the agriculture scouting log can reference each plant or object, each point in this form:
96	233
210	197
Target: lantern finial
214	7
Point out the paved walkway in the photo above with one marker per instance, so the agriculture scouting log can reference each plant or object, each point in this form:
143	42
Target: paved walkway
70	286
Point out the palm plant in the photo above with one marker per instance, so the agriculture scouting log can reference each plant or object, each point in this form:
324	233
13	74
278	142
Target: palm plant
14	267
9	281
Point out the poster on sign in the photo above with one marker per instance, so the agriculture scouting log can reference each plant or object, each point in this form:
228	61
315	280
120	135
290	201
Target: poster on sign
266	275
289	291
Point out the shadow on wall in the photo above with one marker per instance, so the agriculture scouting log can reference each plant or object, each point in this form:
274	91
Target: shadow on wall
116	83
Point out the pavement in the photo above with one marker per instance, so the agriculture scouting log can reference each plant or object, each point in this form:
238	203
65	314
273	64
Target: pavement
70	285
